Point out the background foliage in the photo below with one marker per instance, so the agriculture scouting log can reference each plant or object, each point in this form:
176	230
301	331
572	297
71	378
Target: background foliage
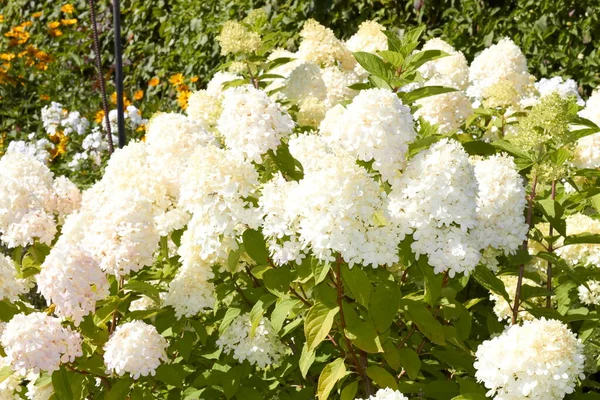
164	37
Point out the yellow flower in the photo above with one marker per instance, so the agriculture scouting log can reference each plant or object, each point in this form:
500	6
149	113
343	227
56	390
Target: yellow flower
126	101
25	24
7	56
182	99
67	9
182	88
138	95
44	97
194	79
53	24
37	14
176	79
1	18
153	82
55	32
99	116
142	128
67	22
61	141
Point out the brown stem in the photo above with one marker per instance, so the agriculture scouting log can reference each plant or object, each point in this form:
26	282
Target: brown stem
241	292
340	295
549	269
104	380
302	299
253	79
515	310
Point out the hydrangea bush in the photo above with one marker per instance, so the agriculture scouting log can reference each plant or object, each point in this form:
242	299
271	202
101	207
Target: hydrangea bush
373	218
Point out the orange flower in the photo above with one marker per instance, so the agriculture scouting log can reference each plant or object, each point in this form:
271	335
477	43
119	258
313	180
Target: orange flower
53	24
182	99
67	22
176	79
37	14
194	79
153	82
55	32
44	97
99	117
7	56
67	9
182	88
126	101
138	95
61	141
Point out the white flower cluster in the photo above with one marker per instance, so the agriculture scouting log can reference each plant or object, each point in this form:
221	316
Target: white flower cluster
502	64
55	118
500	204
450	71
29	200
73	281
10	285
252	123
565	88
261	347
447	110
10	387
369	38
589	296
375	127
39	342
587	254
204	106
540	359
131	116
336	208
587	149
319	45
135	348
387	394
35	148
436	197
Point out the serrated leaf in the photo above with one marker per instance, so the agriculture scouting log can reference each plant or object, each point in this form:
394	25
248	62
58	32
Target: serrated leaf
317	324
332	373
583	238
553	211
391	57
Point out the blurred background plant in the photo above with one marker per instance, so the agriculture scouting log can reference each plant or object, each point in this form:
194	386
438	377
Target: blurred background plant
170	46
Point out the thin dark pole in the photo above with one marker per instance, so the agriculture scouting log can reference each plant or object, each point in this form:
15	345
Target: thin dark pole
119	72
100	75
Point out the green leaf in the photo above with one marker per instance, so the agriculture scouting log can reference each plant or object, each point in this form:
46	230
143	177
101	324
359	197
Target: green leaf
414	61
374	65
120	390
427	91
364	336
391	355
281	311
332	373
319	269
491	282
256	315
61	384
349	391
307	357
231	381
383	306
381	377
144	288
427	324
392	57
553	211
171	374
583	238
233	259
410	361
511	149
286	163
230	315
255	246
529	292
359	284
433	282
317	324
470	396
278	280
